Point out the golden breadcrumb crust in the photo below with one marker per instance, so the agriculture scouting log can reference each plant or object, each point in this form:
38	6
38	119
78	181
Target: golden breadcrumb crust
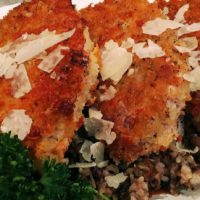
191	16
51	102
147	105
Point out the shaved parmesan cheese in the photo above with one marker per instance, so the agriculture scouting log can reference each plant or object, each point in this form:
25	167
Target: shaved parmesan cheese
181	148
5	63
194	59
97	151
41	56
158	26
108	94
109	137
102	164
130	72
83	165
115	62
189	77
193	78
182	49
83	4
179	17
100	129
114	181
151	51
88	150
195	54
85	150
26	48
41	43
111	45
187	44
9	73
18	123
20	83
193	62
53	75
49	63
127	44
188	29
106	134
94	113
151	1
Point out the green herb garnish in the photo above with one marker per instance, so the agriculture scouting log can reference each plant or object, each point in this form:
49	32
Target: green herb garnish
20	180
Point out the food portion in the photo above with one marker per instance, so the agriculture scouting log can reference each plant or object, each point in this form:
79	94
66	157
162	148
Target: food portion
192	16
108	94
47	70
141	63
53	181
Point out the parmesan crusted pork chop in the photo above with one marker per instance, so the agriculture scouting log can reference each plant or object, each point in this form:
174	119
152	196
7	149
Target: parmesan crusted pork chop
47	70
192	18
142	91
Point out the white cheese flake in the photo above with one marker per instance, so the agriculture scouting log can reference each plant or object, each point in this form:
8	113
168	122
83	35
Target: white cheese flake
49	62
181	148
179	17
85	150
83	165
18	123
53	75
100	129
91	150
116	180
158	26
187	45
94	113
14	54
7	66
103	164
151	51
193	62
20	83
188	28
108	94
130	72
115	62
193	78
127	44
97	151
40	44
194	59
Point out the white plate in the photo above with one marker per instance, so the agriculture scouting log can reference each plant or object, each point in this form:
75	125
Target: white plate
84	3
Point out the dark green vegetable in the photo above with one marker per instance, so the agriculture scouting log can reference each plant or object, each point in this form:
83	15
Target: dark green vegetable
20	180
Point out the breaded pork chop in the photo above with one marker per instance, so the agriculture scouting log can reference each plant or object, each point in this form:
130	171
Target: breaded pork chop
58	88
148	101
191	16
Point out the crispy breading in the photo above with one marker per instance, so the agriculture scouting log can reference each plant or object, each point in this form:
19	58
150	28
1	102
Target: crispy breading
51	102
191	16
118	19
147	105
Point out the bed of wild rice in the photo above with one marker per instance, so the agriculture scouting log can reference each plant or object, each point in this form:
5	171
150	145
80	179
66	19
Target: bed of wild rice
170	172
